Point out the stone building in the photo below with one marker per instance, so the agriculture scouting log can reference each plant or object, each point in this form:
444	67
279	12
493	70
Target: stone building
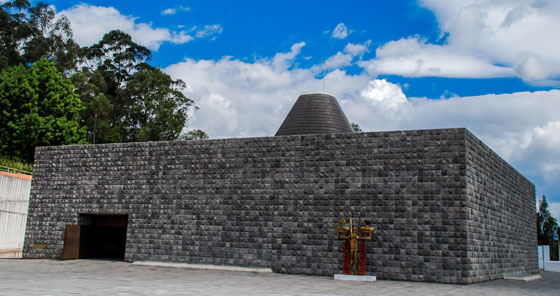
445	207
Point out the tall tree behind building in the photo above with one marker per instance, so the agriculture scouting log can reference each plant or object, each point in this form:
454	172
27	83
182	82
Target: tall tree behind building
39	108
31	33
142	102
545	234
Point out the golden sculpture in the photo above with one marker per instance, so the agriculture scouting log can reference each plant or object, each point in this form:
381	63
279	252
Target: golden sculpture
355	237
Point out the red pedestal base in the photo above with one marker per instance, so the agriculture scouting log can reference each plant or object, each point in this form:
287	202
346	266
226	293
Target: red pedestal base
362	255
346	258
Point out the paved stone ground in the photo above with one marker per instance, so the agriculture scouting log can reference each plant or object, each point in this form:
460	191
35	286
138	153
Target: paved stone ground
95	277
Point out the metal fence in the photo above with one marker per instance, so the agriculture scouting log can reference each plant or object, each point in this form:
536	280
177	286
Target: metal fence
14	171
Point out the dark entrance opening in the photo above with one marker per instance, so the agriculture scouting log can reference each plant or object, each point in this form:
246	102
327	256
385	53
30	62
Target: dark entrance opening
97	236
103	236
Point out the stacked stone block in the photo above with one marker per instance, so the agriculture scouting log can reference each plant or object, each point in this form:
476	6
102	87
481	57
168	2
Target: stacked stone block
501	216
275	202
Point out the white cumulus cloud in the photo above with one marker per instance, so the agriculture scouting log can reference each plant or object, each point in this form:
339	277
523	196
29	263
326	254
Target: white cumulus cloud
482	38
283	60
347	56
172	11
530	67
89	24
339	60
242	99
357	49
169	11
387	94
209	30
413	57
340	31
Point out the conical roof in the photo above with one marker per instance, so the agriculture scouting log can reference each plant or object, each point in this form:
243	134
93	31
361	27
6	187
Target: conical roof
315	113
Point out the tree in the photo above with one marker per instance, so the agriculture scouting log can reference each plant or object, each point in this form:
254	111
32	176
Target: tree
96	114
109	64
158	110
39	107
134	101
545	234
117	57
356	128
125	98
195	134
13	31
28	34
52	38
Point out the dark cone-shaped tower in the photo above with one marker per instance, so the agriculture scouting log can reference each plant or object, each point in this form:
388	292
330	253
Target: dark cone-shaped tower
315	113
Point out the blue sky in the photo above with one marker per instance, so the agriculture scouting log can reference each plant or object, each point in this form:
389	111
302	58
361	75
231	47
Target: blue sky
491	66
258	29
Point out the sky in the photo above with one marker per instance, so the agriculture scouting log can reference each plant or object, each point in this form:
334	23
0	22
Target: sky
491	66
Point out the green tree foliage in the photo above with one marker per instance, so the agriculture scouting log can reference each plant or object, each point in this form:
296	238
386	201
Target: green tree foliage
195	134
28	34
52	38
117	57
13	31
356	128
125	98
39	107
158	110
132	100
96	115
545	234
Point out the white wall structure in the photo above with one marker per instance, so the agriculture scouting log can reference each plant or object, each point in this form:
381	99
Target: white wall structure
14	202
548	265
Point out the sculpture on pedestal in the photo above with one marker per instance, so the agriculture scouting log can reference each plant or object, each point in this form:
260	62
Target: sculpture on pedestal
354	246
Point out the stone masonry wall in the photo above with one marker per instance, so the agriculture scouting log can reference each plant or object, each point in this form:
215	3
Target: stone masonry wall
501	216
270	202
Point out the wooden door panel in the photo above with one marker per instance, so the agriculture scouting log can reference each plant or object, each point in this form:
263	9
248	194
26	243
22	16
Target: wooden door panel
71	242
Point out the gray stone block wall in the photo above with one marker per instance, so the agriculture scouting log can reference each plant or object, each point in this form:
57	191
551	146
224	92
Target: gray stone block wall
275	202
501	216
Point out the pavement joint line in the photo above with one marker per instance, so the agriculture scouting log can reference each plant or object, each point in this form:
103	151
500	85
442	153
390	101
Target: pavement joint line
203	266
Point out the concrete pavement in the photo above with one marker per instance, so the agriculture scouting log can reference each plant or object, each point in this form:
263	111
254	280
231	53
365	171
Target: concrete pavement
96	277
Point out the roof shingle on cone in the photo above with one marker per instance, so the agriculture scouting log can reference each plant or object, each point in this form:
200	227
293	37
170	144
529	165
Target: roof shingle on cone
315	113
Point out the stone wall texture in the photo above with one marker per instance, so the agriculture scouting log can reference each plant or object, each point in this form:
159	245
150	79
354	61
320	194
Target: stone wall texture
444	206
501	217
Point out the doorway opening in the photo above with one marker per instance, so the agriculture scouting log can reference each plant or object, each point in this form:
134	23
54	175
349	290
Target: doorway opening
96	236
